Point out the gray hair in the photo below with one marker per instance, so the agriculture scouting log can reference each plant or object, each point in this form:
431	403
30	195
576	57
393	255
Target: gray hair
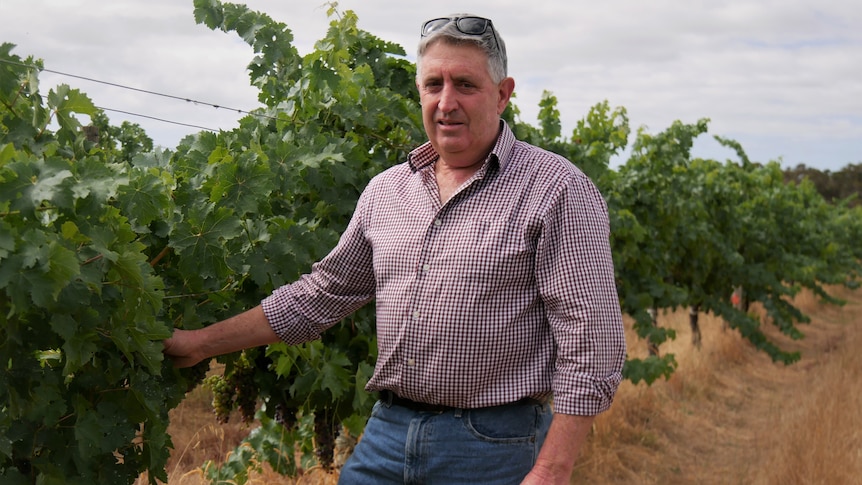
490	42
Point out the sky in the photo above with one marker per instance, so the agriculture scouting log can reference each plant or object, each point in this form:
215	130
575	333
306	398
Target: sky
782	77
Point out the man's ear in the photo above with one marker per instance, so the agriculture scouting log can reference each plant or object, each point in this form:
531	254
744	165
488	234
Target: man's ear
506	88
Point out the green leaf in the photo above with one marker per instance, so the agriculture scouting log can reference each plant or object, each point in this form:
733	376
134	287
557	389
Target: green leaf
7	152
132	269
285	361
145	199
245	184
147	336
49	184
201	238
649	369
80	341
7	239
96	179
334	374
53	267
65	102
101	430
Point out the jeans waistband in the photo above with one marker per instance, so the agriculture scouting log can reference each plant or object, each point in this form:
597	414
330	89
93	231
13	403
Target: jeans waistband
390	398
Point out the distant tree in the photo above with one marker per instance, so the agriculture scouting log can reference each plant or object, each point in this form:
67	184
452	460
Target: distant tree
126	140
843	185
849	182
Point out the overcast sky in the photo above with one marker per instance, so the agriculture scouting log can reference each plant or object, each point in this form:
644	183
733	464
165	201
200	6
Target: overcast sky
783	77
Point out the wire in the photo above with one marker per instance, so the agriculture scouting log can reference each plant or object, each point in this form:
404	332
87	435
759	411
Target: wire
157	119
145	91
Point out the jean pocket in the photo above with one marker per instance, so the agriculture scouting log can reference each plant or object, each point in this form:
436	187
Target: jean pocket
504	424
375	410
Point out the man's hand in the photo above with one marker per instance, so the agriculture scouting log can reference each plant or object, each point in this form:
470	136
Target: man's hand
545	476
182	349
243	331
557	457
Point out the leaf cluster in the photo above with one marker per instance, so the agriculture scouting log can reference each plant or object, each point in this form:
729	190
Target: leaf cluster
84	393
688	232
259	205
107	245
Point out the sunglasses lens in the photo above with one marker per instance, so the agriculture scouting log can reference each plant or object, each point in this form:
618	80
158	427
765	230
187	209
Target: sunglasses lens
472	25
432	25
467	25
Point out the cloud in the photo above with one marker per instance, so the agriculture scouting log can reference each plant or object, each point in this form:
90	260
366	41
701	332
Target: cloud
781	77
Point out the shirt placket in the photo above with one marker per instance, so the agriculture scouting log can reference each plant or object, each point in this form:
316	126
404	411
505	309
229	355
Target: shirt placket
420	310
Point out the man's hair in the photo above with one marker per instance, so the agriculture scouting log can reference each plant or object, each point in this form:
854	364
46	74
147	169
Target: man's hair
490	42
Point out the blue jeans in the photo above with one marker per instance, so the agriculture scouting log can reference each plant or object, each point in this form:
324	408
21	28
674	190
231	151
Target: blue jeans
497	445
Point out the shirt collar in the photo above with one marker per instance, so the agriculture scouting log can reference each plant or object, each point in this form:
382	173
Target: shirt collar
425	154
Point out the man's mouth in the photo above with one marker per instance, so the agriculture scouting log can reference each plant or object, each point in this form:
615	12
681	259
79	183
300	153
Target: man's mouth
448	122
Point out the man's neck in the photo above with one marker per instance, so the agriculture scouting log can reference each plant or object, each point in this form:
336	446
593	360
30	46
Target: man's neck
450	179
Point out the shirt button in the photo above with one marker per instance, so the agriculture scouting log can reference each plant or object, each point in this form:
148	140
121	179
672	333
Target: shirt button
426	267
438	222
416	315
411	362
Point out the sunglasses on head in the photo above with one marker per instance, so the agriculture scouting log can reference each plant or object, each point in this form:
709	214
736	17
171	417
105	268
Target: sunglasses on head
465	25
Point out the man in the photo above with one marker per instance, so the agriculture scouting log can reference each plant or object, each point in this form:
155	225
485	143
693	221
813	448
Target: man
489	263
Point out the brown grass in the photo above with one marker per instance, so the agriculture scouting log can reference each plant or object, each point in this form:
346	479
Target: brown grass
728	415
198	437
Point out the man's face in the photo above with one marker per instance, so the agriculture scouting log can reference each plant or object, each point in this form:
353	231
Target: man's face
461	104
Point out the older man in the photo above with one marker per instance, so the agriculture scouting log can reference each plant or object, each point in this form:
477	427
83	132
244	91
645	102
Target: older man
490	266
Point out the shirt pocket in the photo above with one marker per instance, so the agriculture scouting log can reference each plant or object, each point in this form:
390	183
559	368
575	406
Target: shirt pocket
493	254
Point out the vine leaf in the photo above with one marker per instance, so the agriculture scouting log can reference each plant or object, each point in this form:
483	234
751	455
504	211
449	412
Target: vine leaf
200	240
64	102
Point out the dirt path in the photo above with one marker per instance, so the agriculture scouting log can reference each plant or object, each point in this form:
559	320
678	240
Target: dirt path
729	415
754	404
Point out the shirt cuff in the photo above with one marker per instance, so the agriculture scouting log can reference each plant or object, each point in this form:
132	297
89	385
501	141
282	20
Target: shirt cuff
287	322
585	395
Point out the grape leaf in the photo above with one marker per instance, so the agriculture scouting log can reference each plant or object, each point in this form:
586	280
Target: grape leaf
200	240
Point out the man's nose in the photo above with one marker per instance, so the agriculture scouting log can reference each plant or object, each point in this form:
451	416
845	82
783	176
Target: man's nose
448	98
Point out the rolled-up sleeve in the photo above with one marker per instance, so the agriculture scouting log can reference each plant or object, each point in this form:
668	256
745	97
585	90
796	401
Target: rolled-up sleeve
575	276
338	285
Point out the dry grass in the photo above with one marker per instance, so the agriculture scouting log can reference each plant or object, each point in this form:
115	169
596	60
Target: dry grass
816	437
727	416
197	437
731	416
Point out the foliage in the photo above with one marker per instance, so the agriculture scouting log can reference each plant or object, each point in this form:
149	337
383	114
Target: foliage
107	245
601	135
83	392
264	444
131	138
687	232
843	186
272	197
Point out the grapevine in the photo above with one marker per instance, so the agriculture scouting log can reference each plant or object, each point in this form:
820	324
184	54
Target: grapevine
242	379
107	246
223	396
324	433
235	389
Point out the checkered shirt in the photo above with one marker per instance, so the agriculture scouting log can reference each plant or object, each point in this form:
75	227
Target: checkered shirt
505	291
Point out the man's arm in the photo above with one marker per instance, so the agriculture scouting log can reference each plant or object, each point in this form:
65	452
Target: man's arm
243	331
556	460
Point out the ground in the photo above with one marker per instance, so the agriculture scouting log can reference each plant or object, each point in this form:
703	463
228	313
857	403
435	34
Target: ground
728	415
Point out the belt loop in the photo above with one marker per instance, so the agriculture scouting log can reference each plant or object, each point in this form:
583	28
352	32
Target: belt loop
386	398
